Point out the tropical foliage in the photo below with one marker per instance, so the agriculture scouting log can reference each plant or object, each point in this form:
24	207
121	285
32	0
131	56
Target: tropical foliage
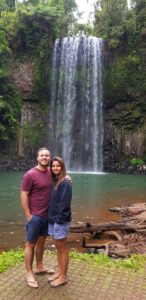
124	31
27	30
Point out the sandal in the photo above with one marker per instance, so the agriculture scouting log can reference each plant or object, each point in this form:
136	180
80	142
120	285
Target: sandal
32	283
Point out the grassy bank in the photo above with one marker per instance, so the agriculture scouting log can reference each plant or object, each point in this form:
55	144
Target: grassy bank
135	262
10	259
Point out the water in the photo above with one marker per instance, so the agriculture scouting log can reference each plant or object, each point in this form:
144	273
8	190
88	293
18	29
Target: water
93	195
76	117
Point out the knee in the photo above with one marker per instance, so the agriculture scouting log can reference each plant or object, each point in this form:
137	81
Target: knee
61	247
40	241
29	245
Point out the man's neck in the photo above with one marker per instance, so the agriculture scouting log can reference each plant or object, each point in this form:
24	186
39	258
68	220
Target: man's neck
41	168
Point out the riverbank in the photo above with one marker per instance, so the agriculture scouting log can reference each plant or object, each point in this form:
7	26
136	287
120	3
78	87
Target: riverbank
11	258
125	168
24	164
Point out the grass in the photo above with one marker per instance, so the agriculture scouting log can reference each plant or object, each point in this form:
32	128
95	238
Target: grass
135	262
10	259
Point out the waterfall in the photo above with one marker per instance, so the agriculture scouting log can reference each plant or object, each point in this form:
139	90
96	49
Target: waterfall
76	116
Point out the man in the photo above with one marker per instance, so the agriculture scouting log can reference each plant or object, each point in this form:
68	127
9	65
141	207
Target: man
35	197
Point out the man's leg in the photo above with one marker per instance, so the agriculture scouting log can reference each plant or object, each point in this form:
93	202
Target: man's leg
29	256
39	251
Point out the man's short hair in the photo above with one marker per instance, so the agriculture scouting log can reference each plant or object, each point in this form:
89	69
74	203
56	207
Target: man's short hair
43	148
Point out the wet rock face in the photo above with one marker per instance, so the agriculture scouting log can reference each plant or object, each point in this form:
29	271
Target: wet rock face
30	112
121	144
23	78
17	164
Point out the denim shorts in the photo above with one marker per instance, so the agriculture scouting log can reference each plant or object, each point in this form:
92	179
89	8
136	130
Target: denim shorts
58	231
37	226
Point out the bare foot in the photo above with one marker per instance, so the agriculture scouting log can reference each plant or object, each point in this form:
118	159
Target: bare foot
58	282
53	277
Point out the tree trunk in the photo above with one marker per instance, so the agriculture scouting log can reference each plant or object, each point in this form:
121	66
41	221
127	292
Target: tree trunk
21	142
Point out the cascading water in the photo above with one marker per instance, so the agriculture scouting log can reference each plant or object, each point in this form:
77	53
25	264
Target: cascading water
76	116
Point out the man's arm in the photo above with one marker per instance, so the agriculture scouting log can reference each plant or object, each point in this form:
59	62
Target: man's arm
25	204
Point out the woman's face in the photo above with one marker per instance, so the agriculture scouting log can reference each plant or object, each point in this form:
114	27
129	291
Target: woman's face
56	168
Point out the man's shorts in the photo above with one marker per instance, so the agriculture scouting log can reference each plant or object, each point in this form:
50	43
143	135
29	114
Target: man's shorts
37	226
59	231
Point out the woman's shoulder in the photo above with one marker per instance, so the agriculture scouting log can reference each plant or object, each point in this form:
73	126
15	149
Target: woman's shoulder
65	183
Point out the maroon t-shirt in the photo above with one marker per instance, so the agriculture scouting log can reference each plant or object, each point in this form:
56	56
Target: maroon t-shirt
39	185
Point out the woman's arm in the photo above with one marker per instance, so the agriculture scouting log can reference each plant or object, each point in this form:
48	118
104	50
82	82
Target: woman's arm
65	196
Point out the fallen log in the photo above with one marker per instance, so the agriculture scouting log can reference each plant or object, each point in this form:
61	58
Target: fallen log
130	232
96	246
137	210
119	250
106	226
109	234
92	245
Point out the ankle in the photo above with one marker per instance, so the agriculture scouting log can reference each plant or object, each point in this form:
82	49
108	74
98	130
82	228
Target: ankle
63	277
39	266
30	274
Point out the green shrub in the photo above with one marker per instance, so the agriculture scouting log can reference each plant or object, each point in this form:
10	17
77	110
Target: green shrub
136	162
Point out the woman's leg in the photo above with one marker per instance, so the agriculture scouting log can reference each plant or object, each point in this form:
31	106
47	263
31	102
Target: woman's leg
63	259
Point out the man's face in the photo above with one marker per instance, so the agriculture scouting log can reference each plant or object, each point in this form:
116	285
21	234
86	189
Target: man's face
43	157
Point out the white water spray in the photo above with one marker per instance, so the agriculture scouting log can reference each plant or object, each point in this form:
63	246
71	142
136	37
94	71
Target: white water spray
76	105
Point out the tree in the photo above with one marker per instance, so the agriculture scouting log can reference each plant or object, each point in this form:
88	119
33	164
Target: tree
110	20
140	13
11	4
3	6
125	74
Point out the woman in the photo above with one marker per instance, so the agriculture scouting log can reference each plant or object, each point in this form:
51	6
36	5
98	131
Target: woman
59	219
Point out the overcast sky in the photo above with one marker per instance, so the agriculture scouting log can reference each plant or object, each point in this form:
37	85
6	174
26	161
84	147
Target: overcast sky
87	7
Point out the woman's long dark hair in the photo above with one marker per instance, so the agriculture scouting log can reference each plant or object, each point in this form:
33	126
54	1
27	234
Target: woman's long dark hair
58	178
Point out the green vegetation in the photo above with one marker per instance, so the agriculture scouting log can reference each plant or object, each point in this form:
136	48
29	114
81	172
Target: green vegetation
136	162
124	32
10	102
10	259
32	134
27	34
28	30
135	262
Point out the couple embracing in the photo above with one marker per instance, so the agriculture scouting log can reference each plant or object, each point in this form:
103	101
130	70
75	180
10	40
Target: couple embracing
46	194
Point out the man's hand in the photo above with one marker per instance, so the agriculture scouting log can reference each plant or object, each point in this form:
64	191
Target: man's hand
68	178
28	218
25	205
